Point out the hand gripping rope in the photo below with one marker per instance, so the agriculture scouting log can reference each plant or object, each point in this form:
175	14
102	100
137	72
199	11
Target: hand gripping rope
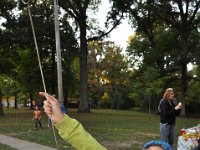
26	2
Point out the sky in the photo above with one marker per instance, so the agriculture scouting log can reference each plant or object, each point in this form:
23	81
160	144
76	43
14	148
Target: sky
120	34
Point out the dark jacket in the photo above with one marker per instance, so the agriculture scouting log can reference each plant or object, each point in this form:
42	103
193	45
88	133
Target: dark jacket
168	113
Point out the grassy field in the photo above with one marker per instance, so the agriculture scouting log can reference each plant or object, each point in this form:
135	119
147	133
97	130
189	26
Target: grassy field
6	147
115	129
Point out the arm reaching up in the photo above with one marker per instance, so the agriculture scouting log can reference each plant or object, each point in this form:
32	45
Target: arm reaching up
69	129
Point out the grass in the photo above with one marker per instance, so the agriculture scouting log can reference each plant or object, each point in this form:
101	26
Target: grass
6	147
115	129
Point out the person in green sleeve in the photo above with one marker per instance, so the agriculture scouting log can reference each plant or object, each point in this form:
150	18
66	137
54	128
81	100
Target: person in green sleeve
68	128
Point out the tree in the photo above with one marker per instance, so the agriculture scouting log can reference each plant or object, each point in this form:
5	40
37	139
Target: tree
108	68
8	88
144	50
184	17
43	21
78	12
115	71
151	81
193	99
94	72
6	7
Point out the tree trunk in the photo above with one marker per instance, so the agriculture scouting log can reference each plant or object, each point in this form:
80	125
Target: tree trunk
8	104
1	105
83	106
184	62
31	101
183	86
16	101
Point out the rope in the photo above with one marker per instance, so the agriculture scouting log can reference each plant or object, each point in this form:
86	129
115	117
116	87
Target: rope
54	133
39	61
36	45
26	1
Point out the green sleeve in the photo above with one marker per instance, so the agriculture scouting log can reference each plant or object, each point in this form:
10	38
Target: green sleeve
74	133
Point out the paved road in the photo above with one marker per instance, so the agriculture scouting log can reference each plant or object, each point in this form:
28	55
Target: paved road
21	144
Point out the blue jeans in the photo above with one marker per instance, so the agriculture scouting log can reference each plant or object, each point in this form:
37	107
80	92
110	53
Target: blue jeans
49	122
167	133
38	121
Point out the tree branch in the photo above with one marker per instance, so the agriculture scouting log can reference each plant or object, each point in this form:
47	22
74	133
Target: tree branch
103	34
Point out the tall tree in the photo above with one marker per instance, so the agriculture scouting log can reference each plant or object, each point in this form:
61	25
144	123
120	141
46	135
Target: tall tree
95	53
184	17
180	15
6	66
78	11
43	21
108	68
115	71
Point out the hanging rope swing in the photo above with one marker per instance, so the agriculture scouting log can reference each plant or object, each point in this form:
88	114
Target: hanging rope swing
26	2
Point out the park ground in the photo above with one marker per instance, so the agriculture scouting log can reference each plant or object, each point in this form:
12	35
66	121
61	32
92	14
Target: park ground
115	129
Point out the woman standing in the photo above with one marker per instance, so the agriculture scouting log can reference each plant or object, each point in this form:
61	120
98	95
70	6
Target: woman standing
169	111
